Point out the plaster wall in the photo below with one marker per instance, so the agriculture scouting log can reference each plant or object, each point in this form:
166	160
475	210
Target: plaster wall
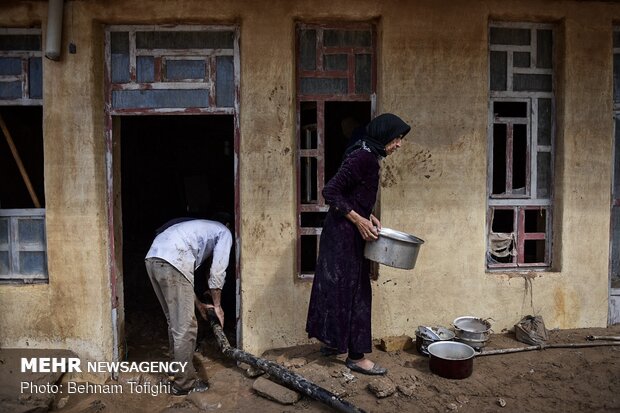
433	72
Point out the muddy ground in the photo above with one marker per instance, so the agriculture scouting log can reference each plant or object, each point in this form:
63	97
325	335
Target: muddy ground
552	380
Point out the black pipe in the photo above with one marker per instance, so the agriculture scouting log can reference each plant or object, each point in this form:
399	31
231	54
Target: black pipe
283	375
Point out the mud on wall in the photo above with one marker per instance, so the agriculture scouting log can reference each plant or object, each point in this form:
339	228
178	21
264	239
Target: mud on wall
433	72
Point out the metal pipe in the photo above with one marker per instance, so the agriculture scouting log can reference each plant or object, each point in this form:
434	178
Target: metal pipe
542	347
284	376
53	38
610	338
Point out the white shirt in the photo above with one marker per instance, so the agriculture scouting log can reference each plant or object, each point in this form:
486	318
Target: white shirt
188	244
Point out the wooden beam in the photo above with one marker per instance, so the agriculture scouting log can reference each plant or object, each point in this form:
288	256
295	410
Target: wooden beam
19	162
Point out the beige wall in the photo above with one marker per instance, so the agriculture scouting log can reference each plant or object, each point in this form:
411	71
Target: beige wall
432	72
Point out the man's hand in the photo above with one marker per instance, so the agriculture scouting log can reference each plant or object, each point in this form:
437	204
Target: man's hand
218	312
202	309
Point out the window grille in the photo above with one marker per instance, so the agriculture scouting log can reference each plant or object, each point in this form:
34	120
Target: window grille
521	142
158	69
21	69
336	79
22	245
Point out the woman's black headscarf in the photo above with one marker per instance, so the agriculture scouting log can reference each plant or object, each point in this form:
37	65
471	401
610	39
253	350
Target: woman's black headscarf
379	132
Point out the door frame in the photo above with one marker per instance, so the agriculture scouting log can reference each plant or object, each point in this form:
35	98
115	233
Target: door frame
112	162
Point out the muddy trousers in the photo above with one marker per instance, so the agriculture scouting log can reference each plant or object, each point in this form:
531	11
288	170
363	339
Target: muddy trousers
176	296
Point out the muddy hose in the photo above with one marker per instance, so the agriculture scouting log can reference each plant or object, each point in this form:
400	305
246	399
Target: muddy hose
283	375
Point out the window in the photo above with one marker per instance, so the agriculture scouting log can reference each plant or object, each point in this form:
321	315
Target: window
521	141
23	256
335	96
157	69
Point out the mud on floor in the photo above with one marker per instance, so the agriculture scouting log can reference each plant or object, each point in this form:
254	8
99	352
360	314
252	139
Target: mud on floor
552	380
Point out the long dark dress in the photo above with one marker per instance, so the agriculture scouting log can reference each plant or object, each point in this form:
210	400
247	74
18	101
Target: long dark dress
339	311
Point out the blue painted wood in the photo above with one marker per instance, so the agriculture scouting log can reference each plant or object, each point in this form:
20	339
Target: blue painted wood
120	68
225	81
145	69
185	69
10	66
10	90
146	99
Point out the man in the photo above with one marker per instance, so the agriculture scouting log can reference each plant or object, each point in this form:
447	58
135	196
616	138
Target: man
177	251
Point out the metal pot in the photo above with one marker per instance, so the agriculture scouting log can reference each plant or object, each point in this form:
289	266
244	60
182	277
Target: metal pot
422	341
451	359
472	328
394	248
475	344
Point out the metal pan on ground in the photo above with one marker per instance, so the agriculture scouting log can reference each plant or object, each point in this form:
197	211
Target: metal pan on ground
394	248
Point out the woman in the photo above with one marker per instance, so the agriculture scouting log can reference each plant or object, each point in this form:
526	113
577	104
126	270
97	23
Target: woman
339	312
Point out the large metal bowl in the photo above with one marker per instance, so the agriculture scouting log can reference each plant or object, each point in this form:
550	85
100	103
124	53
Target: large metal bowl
394	248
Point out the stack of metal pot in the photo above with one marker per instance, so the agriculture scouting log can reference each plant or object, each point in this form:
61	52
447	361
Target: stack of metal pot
472	331
424	336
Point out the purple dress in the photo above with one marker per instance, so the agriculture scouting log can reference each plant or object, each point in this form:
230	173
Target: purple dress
339	311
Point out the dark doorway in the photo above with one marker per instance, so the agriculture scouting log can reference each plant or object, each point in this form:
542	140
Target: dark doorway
171	167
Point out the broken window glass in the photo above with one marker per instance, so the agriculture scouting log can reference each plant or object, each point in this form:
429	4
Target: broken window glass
499	158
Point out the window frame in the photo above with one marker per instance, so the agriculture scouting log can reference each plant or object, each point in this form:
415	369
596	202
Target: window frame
24	76
15	214
321	99
531	199
14	247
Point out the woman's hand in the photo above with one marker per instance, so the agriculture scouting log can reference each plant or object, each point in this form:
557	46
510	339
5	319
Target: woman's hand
364	226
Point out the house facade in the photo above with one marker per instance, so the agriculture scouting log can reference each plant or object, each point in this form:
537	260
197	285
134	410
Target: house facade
155	110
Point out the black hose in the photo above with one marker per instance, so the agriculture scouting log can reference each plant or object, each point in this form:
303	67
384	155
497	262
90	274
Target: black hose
281	374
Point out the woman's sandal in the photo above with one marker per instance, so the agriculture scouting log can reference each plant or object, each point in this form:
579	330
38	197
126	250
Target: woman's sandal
376	370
